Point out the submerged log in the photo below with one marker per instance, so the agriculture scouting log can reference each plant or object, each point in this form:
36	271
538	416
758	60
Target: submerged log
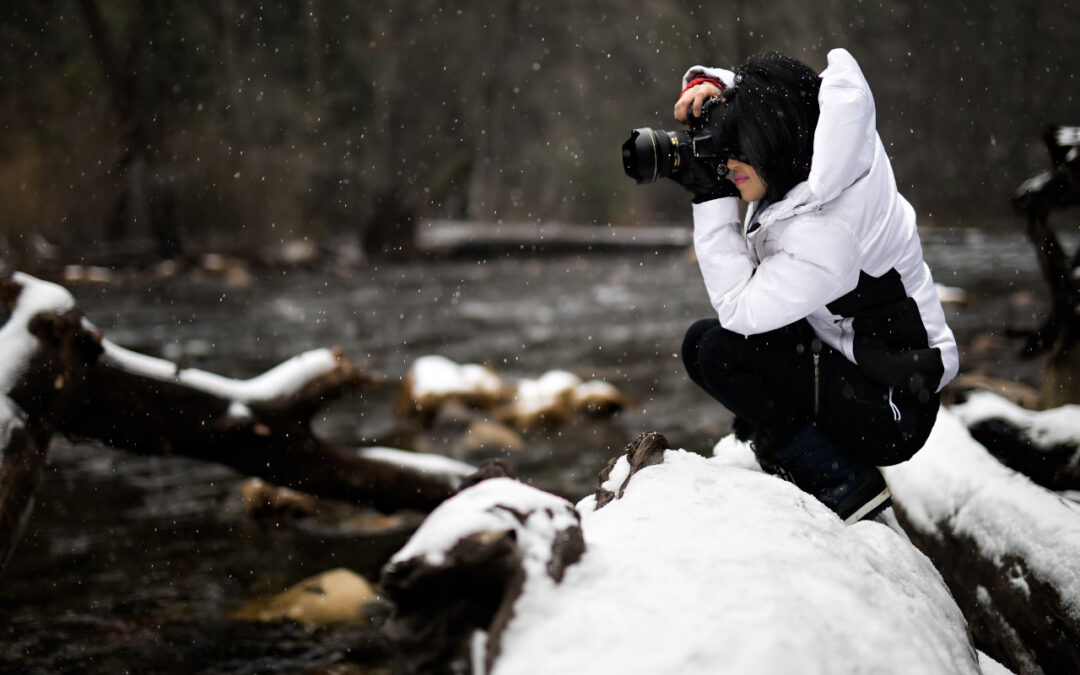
1007	548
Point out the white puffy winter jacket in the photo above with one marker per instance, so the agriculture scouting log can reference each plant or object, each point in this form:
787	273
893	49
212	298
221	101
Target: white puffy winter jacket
840	249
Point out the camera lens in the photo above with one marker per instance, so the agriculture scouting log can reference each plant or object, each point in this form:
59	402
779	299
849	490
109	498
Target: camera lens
649	155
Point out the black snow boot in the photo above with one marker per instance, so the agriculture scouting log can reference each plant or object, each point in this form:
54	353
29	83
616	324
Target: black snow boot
852	488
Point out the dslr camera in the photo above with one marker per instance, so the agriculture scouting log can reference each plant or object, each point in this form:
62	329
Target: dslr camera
652	154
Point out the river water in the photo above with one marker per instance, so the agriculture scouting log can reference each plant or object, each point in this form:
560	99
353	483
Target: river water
133	564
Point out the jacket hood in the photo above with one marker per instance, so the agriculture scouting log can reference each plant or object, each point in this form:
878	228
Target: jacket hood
844	140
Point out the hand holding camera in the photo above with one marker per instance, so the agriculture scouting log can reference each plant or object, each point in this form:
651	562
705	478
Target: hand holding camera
695	159
693	99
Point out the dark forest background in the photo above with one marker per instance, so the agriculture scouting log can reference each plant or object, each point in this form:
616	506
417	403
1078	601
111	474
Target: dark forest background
174	127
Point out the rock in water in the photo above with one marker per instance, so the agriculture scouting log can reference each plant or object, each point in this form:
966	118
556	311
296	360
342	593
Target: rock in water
333	597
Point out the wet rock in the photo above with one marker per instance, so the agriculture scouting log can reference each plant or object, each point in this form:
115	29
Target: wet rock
274	506
487	439
337	596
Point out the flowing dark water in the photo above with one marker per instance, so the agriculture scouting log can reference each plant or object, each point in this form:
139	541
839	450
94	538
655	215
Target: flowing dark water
133	564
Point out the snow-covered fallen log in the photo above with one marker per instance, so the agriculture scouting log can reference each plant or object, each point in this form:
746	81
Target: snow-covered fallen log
260	427
691	565
1043	445
58	375
1008	548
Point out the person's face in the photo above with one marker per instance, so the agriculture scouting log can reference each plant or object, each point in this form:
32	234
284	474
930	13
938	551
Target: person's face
751	187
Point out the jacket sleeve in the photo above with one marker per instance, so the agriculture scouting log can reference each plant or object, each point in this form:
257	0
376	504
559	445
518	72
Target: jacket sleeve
725	76
817	262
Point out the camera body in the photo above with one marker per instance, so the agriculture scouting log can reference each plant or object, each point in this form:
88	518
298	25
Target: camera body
652	154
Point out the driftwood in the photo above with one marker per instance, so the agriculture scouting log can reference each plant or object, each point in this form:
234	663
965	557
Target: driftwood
74	382
1057	337
1007	549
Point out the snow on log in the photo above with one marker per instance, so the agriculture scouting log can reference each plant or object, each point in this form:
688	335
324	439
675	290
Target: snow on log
693	564
44	354
1042	445
1008	548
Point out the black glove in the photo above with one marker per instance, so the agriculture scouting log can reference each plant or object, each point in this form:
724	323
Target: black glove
702	181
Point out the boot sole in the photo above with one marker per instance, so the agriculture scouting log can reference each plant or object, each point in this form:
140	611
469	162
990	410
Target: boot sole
871	508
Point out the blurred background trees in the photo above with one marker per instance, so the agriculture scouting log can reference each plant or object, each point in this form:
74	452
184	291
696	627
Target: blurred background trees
166	128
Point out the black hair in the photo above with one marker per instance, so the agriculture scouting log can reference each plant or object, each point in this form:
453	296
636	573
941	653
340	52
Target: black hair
767	119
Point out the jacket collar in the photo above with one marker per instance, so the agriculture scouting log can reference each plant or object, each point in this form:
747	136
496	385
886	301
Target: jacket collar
799	199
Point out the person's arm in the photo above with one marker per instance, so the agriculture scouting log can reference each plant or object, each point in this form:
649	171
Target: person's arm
817	263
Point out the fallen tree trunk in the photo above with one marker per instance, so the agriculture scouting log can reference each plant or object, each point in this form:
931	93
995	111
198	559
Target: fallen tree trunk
1006	547
260	427
1043	445
58	375
678	564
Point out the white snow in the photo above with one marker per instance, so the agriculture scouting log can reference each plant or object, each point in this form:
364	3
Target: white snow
480	509
284	379
594	390
1045	427
954	479
435	375
706	566
1034	184
418	461
991	667
17	345
534	396
433	378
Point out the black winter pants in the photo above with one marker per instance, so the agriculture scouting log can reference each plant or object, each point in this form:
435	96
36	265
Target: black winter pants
777	382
